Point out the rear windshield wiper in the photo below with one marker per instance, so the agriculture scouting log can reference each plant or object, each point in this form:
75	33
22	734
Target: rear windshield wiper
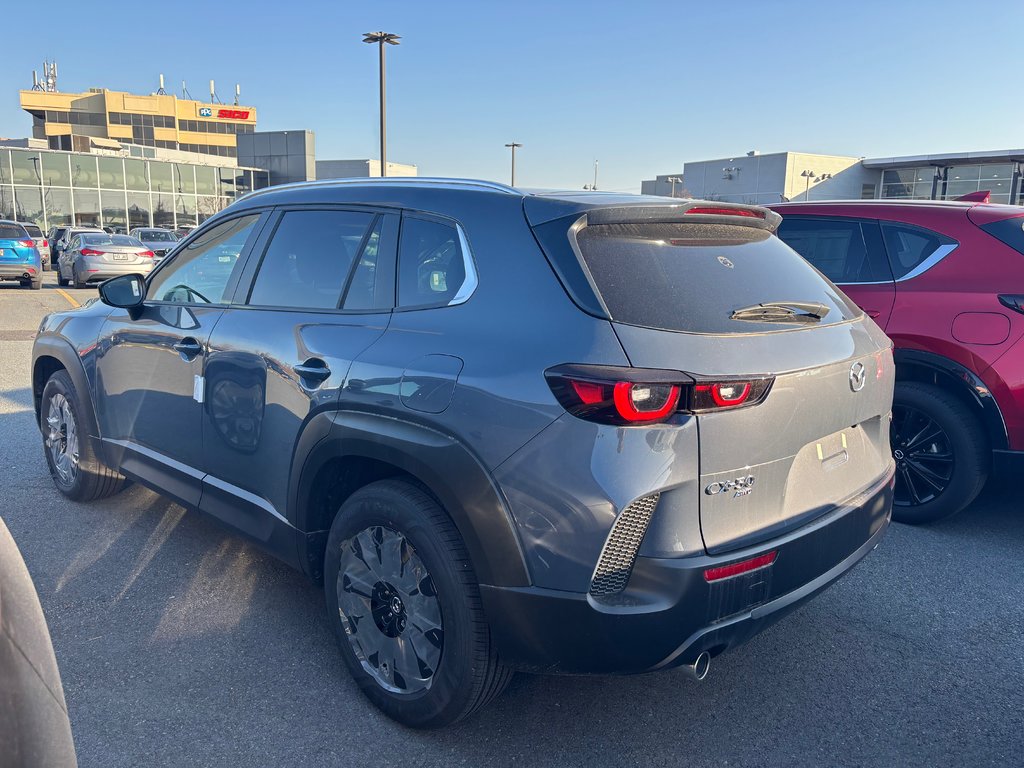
782	312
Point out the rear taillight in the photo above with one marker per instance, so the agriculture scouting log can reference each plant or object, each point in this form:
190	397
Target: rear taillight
631	396
708	210
147	254
744	566
46	243
27	243
91	252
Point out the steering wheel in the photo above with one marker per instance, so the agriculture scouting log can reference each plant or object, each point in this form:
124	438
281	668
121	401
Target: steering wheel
191	292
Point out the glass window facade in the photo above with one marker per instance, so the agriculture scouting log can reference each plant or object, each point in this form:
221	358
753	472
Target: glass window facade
953	182
52	188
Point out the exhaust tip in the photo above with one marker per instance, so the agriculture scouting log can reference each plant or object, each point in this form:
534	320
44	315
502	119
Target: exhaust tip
698	669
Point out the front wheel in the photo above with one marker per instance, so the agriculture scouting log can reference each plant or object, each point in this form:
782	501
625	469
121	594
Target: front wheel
406	608
942	455
74	466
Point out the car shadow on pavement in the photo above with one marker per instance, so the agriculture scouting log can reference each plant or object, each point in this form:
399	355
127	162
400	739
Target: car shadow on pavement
180	642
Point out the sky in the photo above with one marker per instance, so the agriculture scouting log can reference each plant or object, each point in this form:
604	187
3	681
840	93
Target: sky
640	86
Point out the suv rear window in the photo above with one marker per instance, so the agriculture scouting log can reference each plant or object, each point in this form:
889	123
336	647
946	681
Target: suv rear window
12	232
33	230
692	277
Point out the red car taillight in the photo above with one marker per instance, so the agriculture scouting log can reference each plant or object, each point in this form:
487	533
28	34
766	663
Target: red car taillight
46	243
632	396
27	243
708	210
147	254
91	252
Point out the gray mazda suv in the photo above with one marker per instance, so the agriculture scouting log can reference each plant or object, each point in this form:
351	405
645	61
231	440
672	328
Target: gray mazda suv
553	432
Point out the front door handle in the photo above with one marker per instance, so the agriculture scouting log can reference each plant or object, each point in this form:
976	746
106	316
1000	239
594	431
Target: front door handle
313	369
188	348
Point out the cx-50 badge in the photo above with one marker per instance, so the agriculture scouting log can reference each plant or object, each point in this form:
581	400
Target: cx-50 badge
858	377
740	486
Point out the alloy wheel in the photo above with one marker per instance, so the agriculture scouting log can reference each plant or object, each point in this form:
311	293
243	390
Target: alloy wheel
924	457
62	438
390	610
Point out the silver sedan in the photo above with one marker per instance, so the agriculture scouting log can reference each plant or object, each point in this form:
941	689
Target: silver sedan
93	257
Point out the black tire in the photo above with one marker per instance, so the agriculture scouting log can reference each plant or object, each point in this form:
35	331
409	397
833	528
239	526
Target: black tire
45	265
36	284
75	280
61	280
958	436
468	673
92	479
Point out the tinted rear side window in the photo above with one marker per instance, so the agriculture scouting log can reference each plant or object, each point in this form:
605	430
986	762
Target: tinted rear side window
912	250
12	232
309	259
845	251
692	277
431	265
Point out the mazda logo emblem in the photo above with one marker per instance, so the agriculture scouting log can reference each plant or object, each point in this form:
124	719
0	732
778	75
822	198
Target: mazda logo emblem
858	377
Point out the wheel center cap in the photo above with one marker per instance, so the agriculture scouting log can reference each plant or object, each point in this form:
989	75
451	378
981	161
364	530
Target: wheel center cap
898	455
388	610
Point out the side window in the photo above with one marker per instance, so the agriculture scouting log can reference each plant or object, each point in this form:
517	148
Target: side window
431	264
309	259
363	288
845	251
912	249
200	272
73	245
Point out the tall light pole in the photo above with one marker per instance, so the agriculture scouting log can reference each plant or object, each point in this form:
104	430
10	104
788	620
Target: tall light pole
808	174
513	146
381	38
674	180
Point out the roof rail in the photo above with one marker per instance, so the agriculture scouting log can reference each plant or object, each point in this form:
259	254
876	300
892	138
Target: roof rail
396	181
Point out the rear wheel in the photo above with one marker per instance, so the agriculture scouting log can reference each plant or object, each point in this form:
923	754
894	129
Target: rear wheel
61	280
406	608
942	456
36	284
76	470
78	282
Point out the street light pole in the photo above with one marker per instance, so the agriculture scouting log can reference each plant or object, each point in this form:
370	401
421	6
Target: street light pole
513	146
381	38
674	180
808	175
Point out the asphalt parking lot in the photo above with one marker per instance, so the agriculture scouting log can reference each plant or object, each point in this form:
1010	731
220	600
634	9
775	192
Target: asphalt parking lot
180	644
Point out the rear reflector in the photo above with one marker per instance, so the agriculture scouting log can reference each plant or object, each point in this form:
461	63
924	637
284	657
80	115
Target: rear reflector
745	566
710	211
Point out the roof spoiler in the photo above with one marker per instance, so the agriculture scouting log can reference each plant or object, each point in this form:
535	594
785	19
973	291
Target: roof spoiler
695	211
982	196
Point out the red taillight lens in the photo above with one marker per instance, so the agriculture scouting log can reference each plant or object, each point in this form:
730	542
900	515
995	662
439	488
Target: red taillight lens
147	254
722	394
744	566
90	252
46	243
645	402
27	243
632	396
713	211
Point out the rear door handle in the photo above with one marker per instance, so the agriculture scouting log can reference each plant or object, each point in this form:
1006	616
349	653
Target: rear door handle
188	348
313	369
872	313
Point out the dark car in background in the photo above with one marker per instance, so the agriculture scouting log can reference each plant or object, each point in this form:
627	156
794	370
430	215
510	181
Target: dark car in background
53	238
63	238
159	241
19	258
566	432
945	280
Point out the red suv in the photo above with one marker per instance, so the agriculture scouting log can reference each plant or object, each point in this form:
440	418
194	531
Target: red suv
945	280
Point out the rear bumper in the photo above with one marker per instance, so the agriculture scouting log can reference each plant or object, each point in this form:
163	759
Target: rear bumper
669	614
18	271
106	271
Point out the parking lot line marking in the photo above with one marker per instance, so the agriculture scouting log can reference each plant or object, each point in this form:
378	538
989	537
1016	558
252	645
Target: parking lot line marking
71	299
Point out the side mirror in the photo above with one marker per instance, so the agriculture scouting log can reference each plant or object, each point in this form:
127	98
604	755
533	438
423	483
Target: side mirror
126	291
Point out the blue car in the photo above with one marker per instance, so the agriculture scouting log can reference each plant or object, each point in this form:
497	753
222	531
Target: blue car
19	258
